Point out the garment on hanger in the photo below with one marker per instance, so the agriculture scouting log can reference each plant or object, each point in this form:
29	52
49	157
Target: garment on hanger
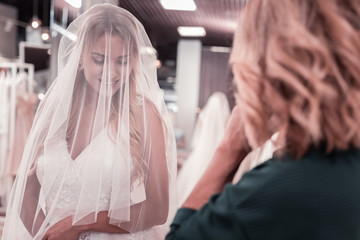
25	111
256	157
5	109
15	79
209	129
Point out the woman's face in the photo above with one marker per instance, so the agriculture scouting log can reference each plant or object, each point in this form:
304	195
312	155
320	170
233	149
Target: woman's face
109	50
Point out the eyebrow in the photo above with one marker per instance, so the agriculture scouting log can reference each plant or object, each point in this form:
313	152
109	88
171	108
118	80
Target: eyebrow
102	55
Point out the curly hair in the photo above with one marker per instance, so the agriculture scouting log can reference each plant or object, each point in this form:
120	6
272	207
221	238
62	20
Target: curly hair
297	70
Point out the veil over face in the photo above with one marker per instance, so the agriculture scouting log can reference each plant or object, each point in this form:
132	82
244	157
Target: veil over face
101	140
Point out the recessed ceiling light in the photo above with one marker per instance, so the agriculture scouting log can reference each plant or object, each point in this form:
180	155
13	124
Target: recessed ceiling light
220	49
74	3
182	5
191	31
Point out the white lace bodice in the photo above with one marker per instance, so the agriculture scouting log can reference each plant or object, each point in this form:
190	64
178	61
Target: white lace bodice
66	174
61	180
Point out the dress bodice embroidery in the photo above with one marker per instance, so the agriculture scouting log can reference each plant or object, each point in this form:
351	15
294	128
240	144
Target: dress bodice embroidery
64	176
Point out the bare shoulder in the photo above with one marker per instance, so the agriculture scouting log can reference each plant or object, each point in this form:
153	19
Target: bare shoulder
154	118
151	110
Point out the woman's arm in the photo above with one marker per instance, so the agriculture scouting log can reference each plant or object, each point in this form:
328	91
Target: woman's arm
154	210
31	219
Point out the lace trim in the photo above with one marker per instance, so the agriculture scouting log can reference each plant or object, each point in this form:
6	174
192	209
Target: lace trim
141	235
86	236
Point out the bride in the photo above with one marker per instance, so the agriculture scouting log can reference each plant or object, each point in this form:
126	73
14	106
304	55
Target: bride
99	162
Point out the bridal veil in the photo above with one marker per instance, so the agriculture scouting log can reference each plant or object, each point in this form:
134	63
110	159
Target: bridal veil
101	140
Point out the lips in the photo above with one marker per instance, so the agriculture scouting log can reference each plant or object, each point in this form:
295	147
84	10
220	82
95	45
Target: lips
108	83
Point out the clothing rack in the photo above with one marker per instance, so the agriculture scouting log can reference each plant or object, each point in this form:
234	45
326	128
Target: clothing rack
12	74
18	67
12	71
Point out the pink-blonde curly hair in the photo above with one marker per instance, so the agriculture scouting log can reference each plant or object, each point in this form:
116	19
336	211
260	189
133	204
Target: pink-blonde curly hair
297	70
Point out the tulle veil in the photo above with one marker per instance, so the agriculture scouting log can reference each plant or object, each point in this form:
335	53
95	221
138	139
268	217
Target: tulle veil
101	140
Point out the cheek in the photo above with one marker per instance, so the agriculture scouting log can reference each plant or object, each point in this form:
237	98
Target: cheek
125	73
93	70
130	69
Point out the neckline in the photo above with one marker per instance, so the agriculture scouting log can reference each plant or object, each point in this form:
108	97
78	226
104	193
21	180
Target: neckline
85	149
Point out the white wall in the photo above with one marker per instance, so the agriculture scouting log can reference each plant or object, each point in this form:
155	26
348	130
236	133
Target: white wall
8	39
187	85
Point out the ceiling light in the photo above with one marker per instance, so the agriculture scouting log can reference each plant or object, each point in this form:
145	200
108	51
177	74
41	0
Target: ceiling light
35	22
191	31
74	3
182	5
45	36
158	63
220	49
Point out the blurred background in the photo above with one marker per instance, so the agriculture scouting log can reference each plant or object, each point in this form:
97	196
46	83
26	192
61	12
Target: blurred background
192	39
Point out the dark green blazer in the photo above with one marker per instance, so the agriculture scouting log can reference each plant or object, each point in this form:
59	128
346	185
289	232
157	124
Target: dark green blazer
314	198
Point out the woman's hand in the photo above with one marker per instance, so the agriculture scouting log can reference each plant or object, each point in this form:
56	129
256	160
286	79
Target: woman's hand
232	148
234	139
63	230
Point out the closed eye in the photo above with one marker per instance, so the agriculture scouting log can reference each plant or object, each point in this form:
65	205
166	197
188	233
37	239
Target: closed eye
98	60
122	61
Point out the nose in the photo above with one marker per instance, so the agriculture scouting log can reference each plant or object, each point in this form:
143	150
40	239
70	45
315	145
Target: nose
114	71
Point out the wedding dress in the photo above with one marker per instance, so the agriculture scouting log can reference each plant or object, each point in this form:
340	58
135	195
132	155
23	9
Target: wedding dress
73	170
23	120
256	157
209	130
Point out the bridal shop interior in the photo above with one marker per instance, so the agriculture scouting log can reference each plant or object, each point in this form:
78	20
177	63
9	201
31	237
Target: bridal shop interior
191	40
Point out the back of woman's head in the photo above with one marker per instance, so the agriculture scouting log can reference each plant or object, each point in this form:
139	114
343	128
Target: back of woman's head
297	69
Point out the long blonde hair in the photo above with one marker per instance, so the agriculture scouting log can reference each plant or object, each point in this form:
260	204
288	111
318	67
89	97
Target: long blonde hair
94	28
297	69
